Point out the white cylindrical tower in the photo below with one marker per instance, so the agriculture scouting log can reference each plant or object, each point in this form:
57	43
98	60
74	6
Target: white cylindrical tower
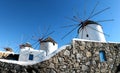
49	45
91	30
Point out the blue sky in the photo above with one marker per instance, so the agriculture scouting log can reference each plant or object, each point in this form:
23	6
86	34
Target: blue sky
22	19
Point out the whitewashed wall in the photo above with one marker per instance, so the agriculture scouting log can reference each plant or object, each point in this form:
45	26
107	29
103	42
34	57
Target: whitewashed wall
94	32
37	54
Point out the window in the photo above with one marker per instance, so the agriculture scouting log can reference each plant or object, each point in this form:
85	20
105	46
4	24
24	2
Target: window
87	35
30	56
102	56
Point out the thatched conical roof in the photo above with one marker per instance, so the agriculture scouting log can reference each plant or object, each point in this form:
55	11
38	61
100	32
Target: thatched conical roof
8	49
49	39
25	45
85	23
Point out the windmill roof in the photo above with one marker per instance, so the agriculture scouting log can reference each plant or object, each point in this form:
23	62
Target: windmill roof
49	39
25	45
87	22
8	49
90	22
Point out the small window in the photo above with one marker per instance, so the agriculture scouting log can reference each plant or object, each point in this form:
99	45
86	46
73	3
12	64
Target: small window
30	56
102	56
87	35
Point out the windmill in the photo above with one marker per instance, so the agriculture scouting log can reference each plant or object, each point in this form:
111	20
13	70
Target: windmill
7	48
42	37
45	42
7	51
89	29
29	53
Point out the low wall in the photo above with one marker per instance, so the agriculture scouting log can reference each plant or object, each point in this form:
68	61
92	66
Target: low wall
80	57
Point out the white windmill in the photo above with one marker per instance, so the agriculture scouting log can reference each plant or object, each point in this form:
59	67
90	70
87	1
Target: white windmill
7	51
89	29
47	43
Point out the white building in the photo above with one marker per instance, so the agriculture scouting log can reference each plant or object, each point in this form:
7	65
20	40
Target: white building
47	46
91	30
27	53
